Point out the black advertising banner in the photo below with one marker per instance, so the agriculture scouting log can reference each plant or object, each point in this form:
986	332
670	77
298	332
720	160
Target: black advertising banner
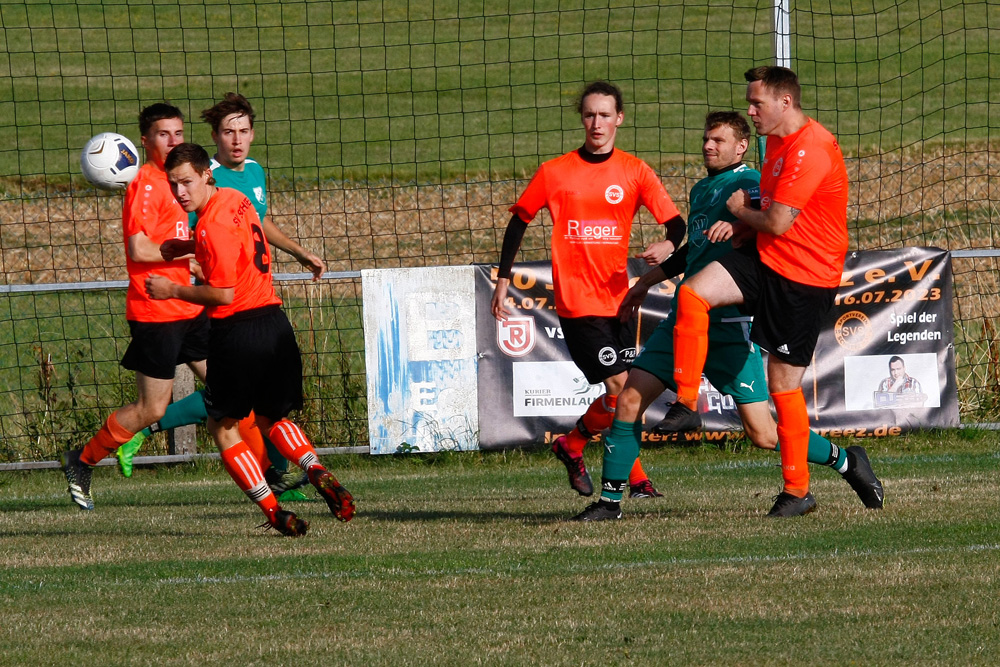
885	362
529	389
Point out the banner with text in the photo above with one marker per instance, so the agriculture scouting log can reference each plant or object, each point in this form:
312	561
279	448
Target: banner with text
530	391
884	363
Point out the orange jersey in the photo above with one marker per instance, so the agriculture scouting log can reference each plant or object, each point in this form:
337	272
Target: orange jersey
150	209
806	171
232	251
592	207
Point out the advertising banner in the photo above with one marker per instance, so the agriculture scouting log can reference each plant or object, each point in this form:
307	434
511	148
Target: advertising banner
530	392
885	363
420	356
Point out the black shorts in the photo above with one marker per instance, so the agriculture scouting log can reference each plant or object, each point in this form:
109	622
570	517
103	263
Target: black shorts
253	364
787	316
157	348
600	346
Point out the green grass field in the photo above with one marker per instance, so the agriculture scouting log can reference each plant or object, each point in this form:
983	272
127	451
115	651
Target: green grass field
466	559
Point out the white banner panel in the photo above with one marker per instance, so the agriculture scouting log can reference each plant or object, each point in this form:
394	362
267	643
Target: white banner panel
420	355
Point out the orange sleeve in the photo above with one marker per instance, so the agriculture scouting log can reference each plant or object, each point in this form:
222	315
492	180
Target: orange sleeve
533	199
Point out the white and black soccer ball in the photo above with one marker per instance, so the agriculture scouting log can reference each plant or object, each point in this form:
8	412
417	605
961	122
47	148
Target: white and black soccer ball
109	161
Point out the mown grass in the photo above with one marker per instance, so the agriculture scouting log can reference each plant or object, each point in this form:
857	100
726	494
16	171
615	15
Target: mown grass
465	559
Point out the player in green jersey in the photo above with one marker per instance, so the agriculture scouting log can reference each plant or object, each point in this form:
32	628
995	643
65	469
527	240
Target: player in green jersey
734	365
233	133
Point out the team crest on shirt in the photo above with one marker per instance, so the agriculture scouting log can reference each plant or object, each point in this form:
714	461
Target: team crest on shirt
516	336
614	194
259	194
777	166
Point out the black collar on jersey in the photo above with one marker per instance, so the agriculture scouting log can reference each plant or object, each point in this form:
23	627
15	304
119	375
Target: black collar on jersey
594	158
716	172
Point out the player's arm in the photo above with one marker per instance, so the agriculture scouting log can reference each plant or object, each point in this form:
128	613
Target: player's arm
671	267
512	238
658	252
279	240
143	249
160	288
777	219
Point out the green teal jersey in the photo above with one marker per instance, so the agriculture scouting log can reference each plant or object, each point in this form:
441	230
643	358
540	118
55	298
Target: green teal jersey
252	182
707	205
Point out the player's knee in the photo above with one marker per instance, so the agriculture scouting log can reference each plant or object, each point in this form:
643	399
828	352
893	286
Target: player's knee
628	406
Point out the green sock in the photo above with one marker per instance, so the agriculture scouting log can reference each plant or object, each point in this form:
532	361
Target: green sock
188	410
621	448
824	452
278	462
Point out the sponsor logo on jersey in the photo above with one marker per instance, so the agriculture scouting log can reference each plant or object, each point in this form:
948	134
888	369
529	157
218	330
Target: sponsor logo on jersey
614	194
601	231
516	336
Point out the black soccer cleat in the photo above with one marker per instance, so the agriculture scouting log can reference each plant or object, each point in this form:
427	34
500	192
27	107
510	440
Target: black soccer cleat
287	524
579	478
679	419
280	482
602	510
862	478
787	505
643	489
78	475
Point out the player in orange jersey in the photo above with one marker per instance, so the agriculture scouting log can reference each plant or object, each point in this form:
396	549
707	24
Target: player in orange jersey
253	359
593	195
164	334
787	279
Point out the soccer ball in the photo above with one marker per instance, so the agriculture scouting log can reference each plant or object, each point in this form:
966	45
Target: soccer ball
109	161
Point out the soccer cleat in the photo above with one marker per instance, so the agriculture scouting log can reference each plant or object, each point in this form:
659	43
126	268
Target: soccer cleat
579	478
287	524
787	505
600	511
643	489
862	478
281	482
127	451
78	475
679	419
339	499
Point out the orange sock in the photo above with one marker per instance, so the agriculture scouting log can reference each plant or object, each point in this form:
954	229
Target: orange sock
106	440
598	417
294	445
254	439
242	466
638	474
793	435
690	345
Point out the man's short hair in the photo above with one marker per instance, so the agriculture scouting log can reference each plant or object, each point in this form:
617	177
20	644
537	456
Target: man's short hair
733	119
601	88
188	153
156	112
778	80
894	359
231	103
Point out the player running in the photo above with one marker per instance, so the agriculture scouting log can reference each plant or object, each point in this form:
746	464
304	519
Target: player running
733	363
253	359
232	121
164	334
593	195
